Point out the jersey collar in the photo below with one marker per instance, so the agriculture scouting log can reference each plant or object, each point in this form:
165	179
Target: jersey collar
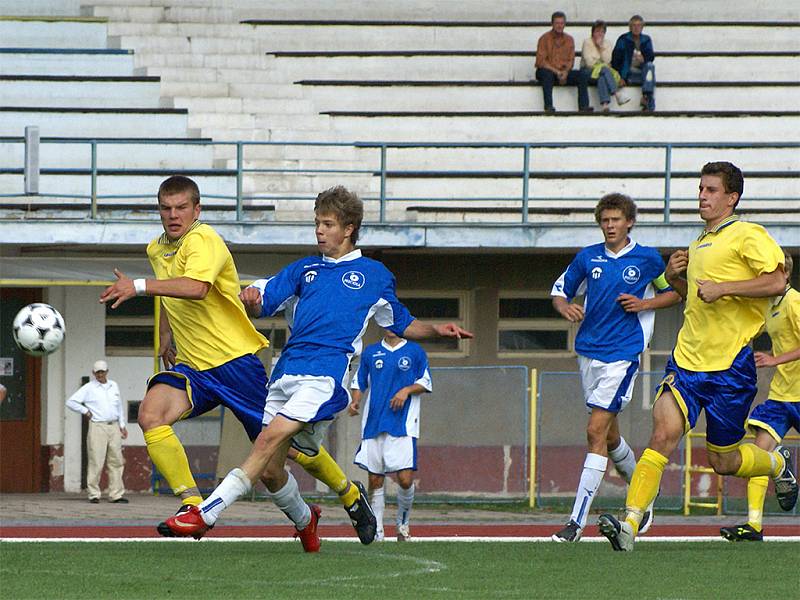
349	256
390	349
720	226
164	239
631	245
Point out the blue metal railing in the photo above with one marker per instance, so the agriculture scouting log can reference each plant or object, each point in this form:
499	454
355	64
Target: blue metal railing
523	202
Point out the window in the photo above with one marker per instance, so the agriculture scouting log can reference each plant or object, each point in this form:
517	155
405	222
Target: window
439	307
528	325
130	327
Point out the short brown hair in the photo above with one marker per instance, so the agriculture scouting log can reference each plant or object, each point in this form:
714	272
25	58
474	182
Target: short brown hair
788	264
343	203
731	176
559	14
599	24
178	184
617	201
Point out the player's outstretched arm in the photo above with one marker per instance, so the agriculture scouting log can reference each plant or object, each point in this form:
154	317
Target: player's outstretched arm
765	359
763	286
420	330
571	312
252	300
355	402
125	288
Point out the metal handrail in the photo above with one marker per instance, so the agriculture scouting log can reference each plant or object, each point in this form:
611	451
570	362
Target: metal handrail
382	171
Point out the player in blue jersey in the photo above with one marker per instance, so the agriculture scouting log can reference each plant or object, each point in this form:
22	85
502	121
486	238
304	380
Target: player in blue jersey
623	284
392	375
328	301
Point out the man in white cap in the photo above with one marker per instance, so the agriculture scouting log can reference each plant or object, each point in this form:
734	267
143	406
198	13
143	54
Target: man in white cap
100	402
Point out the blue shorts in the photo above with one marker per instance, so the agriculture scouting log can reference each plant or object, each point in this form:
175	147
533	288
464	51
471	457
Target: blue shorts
240	385
776	418
726	397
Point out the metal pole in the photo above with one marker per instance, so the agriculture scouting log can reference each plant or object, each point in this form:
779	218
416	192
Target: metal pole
31	160
526	173
532	441
94	178
667	181
239	161
383	184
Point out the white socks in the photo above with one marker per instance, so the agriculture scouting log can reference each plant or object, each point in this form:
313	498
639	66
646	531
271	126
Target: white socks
378	502
405	498
235	485
624	459
289	500
594	467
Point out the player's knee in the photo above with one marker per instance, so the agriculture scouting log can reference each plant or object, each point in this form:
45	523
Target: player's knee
405	479
663	441
150	415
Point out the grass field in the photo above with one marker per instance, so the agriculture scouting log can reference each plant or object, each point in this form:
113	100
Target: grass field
211	570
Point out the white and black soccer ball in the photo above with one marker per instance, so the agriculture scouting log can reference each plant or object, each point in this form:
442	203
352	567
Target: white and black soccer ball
38	329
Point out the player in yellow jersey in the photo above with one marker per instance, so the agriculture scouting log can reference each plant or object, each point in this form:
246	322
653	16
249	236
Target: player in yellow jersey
771	420
732	270
216	344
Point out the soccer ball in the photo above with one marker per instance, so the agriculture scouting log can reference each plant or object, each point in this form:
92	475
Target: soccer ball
38	329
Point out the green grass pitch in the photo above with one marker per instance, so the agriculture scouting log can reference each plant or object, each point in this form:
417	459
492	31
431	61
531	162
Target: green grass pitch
480	570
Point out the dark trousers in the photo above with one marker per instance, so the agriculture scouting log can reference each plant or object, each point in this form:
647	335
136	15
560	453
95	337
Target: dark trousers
575	77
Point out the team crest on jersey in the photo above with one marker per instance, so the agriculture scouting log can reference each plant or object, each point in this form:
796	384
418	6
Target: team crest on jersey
631	274
310	276
596	272
354	280
404	364
379	363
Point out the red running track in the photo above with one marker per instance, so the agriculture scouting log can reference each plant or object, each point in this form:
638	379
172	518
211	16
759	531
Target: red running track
345	531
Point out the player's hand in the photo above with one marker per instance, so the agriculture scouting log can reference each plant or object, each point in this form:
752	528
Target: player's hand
352	408
251	298
398	400
572	312
709	291
88	415
765	359
631	303
167	351
123	432
452	330
677	264
120	291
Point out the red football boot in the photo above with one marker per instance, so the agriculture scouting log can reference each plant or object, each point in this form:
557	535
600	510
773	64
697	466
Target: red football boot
308	535
185	524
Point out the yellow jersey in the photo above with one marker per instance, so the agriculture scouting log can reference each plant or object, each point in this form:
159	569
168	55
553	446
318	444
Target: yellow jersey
713	334
212	331
783	327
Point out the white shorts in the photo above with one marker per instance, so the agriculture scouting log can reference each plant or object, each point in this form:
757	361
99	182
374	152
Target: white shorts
607	385
387	454
308	399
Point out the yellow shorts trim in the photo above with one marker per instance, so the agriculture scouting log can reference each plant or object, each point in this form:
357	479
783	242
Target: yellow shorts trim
724	449
756	424
188	389
678	398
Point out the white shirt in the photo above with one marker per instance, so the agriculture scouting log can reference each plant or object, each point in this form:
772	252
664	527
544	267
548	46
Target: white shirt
102	399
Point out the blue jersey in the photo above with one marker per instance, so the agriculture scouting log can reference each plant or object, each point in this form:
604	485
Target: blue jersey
328	304
608	333
383	371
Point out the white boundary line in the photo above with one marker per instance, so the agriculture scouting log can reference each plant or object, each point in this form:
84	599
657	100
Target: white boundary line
654	539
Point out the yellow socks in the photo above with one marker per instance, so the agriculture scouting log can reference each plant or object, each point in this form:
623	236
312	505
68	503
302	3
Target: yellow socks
756	492
643	487
324	468
757	461
169	457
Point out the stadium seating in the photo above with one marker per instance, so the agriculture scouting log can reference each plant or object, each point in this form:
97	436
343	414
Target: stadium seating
232	71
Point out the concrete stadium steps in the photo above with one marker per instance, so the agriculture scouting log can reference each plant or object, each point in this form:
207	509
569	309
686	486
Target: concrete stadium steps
505	10
80	91
66	62
184	60
333	96
557	185
580	128
89	122
467	65
269	106
150	154
586	159
58	33
62	8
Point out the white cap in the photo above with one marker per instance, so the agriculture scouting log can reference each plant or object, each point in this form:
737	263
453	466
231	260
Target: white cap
100	365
